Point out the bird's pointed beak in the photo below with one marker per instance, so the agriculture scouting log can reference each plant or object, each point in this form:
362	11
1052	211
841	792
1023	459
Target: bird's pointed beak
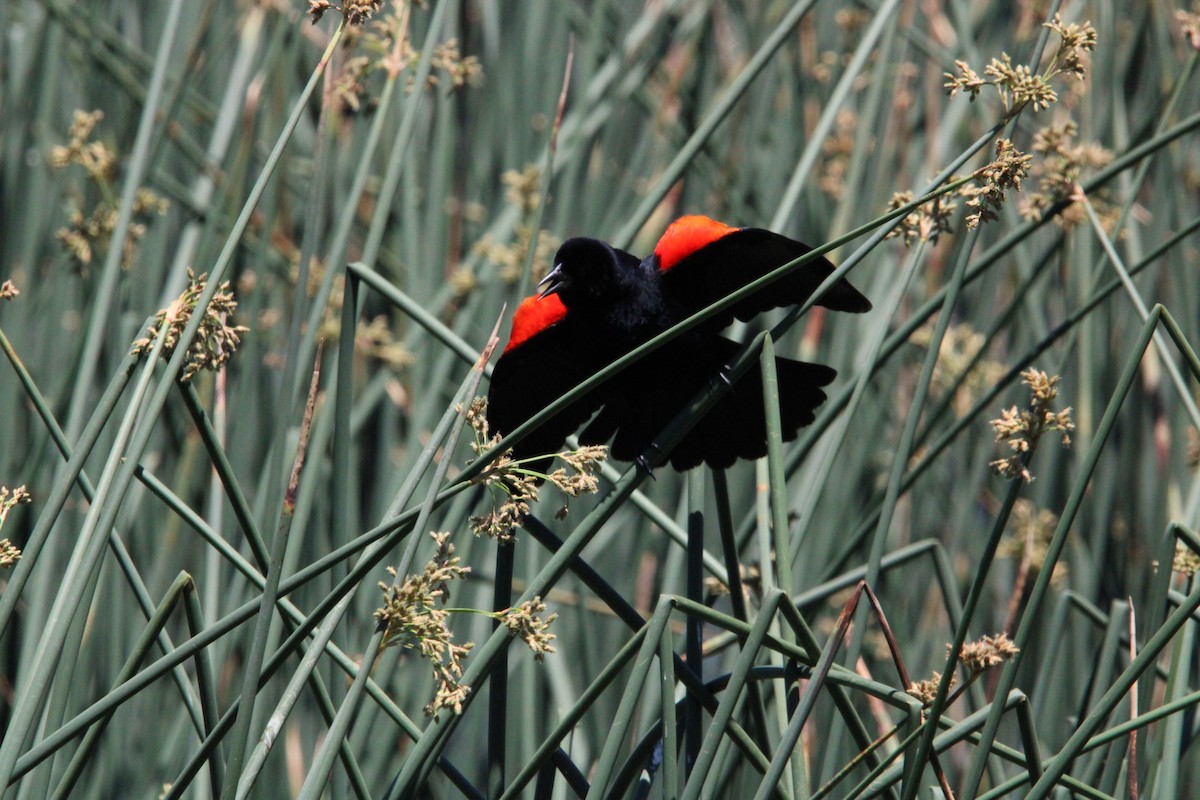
554	280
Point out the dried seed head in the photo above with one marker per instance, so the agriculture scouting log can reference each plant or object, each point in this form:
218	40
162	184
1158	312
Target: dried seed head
926	690
987	652
523	621
1186	561
413	616
1022	429
215	340
9	499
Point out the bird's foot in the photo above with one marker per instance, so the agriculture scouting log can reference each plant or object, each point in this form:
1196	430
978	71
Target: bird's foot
643	463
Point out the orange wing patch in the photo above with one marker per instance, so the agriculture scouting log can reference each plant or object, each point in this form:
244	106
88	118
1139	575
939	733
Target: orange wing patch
685	236
533	316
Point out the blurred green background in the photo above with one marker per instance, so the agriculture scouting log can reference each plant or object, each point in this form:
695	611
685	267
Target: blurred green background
427	150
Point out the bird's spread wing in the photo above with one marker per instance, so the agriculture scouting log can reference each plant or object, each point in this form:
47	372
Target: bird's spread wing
734	428
703	261
530	375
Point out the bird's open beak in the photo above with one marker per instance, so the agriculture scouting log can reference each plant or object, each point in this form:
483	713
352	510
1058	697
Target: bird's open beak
553	281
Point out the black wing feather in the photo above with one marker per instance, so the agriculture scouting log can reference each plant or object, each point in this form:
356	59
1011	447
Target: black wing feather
537	372
729	263
734	428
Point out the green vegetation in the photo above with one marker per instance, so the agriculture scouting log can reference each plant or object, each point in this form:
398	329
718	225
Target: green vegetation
974	574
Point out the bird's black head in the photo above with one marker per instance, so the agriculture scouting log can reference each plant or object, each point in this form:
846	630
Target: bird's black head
590	274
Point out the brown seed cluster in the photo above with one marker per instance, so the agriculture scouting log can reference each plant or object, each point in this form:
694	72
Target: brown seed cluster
215	341
1017	85
1061	164
356	12
976	657
88	232
9	499
516	486
523	622
1021	429
414	617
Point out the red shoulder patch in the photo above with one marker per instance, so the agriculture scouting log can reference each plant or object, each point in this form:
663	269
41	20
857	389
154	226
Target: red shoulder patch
685	236
533	316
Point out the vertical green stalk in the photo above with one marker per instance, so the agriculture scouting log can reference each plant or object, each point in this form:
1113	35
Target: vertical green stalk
982	569
1030	618
721	109
693	718
133	175
631	697
732	696
266	610
85	560
669	772
498	686
181	587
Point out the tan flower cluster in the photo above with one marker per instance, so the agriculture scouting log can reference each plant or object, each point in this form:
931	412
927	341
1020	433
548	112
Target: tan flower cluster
523	187
215	341
967	80
1075	40
838	148
386	46
581	479
1189	25
9	499
414	617
1059	169
523	622
510	258
519	490
84	233
96	158
1186	561
503	477
926	690
462	280
976	657
926	223
518	485
987	652
376	340
9	291
986	197
9	554
459	71
350	85
1018	85
356	12
523	192
1022	429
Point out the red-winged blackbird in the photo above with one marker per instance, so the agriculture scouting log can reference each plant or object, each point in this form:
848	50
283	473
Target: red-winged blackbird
599	303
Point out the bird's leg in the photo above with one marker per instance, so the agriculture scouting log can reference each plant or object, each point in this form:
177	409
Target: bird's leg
645	467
